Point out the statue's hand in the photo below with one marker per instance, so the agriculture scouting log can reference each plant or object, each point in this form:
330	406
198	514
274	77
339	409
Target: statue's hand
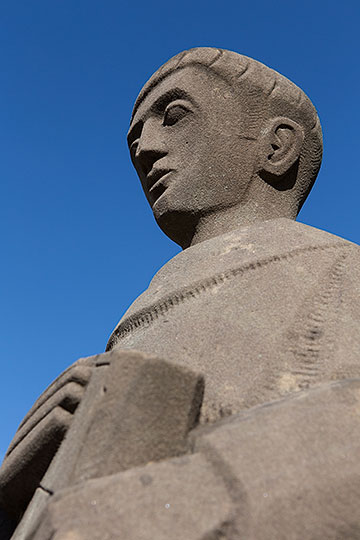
38	438
287	469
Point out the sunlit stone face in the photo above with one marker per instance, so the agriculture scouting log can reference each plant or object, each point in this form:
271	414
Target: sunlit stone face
189	146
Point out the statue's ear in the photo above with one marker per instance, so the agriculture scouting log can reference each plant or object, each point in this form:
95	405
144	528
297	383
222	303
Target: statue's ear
280	143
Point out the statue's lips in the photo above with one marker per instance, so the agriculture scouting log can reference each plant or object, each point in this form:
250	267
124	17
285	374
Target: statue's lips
155	182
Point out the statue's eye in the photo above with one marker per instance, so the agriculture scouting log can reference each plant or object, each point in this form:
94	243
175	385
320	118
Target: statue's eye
174	112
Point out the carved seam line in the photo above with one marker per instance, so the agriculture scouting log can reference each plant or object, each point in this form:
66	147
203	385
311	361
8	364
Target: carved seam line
141	319
309	352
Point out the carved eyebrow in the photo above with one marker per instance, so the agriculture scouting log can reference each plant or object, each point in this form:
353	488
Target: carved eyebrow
158	107
171	95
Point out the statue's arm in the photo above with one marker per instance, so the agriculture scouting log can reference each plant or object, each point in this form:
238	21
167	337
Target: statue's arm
287	469
136	409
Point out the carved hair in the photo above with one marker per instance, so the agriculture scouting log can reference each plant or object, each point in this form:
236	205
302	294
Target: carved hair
267	93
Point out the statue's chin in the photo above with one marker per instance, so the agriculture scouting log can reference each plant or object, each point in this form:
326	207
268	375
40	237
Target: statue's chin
178	225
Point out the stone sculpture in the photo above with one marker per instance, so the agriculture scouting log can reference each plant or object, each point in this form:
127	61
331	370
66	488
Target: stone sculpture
227	404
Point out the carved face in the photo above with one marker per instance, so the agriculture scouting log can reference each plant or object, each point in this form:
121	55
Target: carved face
189	147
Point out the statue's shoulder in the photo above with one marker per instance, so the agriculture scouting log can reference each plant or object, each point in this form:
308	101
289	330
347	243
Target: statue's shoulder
231	258
311	233
293	242
327	246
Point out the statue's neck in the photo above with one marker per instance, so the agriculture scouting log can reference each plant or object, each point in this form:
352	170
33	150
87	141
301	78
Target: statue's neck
222	221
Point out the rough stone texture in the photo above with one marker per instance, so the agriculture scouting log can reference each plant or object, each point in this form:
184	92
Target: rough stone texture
276	309
178	499
220	141
245	331
260	475
136	409
297	461
147	408
38	438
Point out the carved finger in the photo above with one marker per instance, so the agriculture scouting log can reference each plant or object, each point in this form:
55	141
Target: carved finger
79	374
68	397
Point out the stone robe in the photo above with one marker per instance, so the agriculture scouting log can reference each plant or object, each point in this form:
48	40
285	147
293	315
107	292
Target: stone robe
261	311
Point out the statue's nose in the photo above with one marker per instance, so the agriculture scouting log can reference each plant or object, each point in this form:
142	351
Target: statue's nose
151	147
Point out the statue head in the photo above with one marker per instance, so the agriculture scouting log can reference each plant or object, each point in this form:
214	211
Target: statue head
219	141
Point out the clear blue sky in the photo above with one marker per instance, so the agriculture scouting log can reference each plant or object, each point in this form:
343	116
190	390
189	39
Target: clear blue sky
78	242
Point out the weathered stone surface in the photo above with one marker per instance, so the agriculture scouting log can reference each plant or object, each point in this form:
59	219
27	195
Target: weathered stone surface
298	463
38	438
227	150
178	499
137	408
287	470
145	412
258	306
274	309
220	141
